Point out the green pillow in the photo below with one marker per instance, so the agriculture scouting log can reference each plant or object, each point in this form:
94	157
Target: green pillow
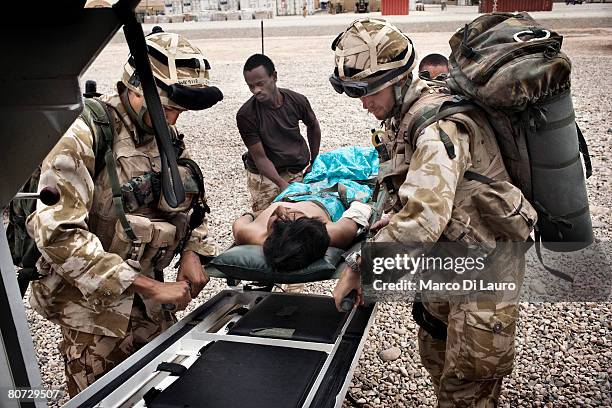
247	262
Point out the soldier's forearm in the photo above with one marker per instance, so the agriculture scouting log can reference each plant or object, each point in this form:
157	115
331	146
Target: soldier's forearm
143	285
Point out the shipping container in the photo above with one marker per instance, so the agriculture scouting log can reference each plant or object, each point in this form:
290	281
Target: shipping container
394	7
493	6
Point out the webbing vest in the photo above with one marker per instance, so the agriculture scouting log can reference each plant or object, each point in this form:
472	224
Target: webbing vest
131	160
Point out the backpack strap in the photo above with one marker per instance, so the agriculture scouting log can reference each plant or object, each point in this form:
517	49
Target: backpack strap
99	118
432	114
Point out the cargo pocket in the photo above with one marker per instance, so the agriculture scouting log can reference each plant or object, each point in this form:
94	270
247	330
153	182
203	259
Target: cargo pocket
486	349
505	210
123	246
162	244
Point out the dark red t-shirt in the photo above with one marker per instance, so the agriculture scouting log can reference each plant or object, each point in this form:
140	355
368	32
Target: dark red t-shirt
278	130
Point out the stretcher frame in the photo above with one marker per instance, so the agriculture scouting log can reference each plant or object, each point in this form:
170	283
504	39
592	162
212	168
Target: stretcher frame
126	384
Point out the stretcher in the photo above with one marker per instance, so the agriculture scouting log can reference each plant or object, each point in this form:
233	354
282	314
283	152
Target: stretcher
247	348
243	349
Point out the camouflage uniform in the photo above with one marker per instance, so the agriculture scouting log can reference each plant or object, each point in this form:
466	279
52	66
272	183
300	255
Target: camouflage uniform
431	201
83	288
264	191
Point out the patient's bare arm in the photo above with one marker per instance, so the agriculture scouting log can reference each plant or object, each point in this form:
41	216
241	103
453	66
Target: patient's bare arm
342	233
243	231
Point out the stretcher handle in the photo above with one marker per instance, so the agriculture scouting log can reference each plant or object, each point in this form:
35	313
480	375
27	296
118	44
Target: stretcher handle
349	300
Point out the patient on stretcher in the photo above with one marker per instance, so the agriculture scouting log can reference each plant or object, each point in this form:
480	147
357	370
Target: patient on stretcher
327	209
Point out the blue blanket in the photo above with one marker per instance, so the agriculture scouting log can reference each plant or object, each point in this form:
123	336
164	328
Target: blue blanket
337	178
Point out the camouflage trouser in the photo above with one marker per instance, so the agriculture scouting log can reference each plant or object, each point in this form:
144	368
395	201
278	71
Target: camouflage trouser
87	357
467	369
263	190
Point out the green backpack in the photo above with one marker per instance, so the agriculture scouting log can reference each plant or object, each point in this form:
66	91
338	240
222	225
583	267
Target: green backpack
512	68
23	248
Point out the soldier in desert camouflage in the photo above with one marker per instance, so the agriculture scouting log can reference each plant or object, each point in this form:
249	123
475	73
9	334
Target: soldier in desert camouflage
99	283
468	344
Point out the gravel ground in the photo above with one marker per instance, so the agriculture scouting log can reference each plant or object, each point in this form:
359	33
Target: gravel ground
563	356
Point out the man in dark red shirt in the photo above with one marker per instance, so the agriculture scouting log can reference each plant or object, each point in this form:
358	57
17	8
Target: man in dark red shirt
269	126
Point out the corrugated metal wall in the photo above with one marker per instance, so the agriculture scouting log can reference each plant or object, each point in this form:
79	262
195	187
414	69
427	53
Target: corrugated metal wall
394	7
491	6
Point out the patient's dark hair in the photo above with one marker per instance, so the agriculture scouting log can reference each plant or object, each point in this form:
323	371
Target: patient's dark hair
293	245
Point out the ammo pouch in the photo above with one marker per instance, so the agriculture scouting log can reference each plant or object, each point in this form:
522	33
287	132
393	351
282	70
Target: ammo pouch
141	191
154	249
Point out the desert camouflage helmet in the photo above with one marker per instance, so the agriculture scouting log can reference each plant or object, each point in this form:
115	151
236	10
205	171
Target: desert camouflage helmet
174	60
374	52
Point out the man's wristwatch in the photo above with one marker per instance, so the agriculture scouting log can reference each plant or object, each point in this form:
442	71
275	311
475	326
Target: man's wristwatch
353	260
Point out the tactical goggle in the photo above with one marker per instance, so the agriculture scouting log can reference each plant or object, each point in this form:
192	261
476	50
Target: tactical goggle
357	89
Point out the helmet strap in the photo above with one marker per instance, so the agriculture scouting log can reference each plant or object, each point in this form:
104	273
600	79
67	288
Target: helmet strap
399	96
399	91
143	130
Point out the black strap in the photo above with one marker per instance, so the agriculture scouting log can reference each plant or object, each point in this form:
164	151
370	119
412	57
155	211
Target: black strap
428	322
571	118
556	272
426	117
584	149
174	369
172	186
473	176
557	220
150	396
196	171
103	130
111	169
448	144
